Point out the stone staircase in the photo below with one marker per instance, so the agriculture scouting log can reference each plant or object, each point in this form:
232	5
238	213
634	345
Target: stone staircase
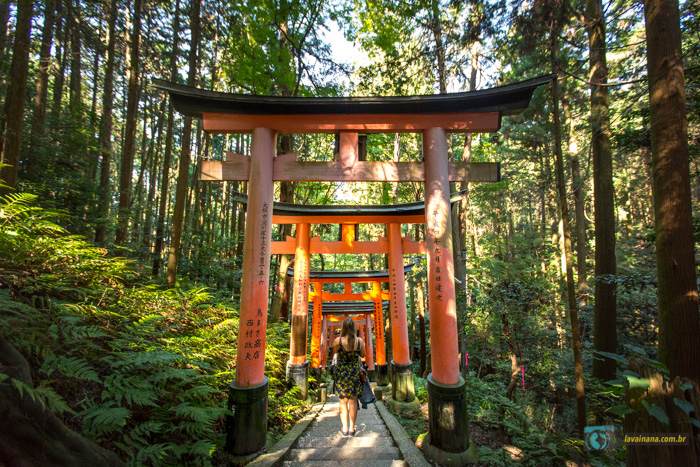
322	443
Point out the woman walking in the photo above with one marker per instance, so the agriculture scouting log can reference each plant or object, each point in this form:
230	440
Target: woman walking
347	374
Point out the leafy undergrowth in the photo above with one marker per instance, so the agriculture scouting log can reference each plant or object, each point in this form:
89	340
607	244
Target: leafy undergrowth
519	437
141	370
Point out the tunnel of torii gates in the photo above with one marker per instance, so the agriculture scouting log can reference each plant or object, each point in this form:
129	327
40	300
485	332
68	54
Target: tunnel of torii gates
433	116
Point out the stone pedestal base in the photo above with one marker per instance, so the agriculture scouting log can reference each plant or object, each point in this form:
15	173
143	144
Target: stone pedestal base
381	373
447	416
371	375
402	382
246	429
298	375
450	459
412	407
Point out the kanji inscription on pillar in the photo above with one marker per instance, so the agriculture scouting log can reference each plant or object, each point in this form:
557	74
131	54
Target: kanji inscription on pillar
378	320
435	248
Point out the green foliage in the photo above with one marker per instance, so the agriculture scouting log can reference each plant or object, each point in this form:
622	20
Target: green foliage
140	369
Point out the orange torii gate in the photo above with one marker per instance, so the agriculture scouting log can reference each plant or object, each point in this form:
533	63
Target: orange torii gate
319	301
394	245
363	313
433	116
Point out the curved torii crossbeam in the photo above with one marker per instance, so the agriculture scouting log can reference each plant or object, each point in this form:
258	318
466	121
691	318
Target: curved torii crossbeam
266	116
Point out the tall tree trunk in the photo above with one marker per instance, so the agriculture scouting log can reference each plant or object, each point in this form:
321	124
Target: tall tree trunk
544	170
605	315
464	216
153	179
184	163
106	126
564	209
95	83
581	230
436	29
4	23
62	30
125	182
578	189
164	179
42	82
136	207
679	321
13	115
75	102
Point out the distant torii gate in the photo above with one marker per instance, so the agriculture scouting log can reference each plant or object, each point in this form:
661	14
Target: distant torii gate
322	304
336	312
432	116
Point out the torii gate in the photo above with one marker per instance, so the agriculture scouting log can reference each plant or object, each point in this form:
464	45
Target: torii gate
266	116
335	313
402	385
324	303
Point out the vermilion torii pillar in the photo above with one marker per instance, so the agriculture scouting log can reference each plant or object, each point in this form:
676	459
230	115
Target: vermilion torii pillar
401	372
248	394
447	399
298	365
381	368
433	116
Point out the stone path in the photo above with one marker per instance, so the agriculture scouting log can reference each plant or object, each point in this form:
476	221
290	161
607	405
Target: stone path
322	443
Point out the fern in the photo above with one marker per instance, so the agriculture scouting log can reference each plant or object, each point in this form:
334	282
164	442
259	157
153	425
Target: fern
197	414
43	395
147	367
202	448
133	390
71	367
104	419
53	400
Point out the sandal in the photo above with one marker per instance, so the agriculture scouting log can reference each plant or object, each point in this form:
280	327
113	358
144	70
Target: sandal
353	433
345	434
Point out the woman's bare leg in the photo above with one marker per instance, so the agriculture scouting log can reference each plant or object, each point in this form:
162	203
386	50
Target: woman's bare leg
352	408
343	406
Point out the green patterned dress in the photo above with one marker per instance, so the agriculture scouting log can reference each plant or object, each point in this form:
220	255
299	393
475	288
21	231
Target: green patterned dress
347	373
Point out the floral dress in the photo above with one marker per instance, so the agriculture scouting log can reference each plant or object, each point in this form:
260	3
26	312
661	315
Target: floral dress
347	373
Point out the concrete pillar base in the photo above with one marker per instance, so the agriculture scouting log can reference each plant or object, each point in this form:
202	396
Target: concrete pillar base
450	459
298	375
412	407
246	429
448	420
381	373
402	382
371	375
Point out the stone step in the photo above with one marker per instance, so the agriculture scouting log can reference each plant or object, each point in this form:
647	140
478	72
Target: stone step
305	442
371	430
357	463
347	453
335	422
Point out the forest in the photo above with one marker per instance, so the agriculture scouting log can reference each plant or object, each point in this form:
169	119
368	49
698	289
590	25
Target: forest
120	271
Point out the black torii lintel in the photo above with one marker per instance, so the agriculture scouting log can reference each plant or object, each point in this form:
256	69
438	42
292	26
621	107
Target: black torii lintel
509	99
350	210
350	274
